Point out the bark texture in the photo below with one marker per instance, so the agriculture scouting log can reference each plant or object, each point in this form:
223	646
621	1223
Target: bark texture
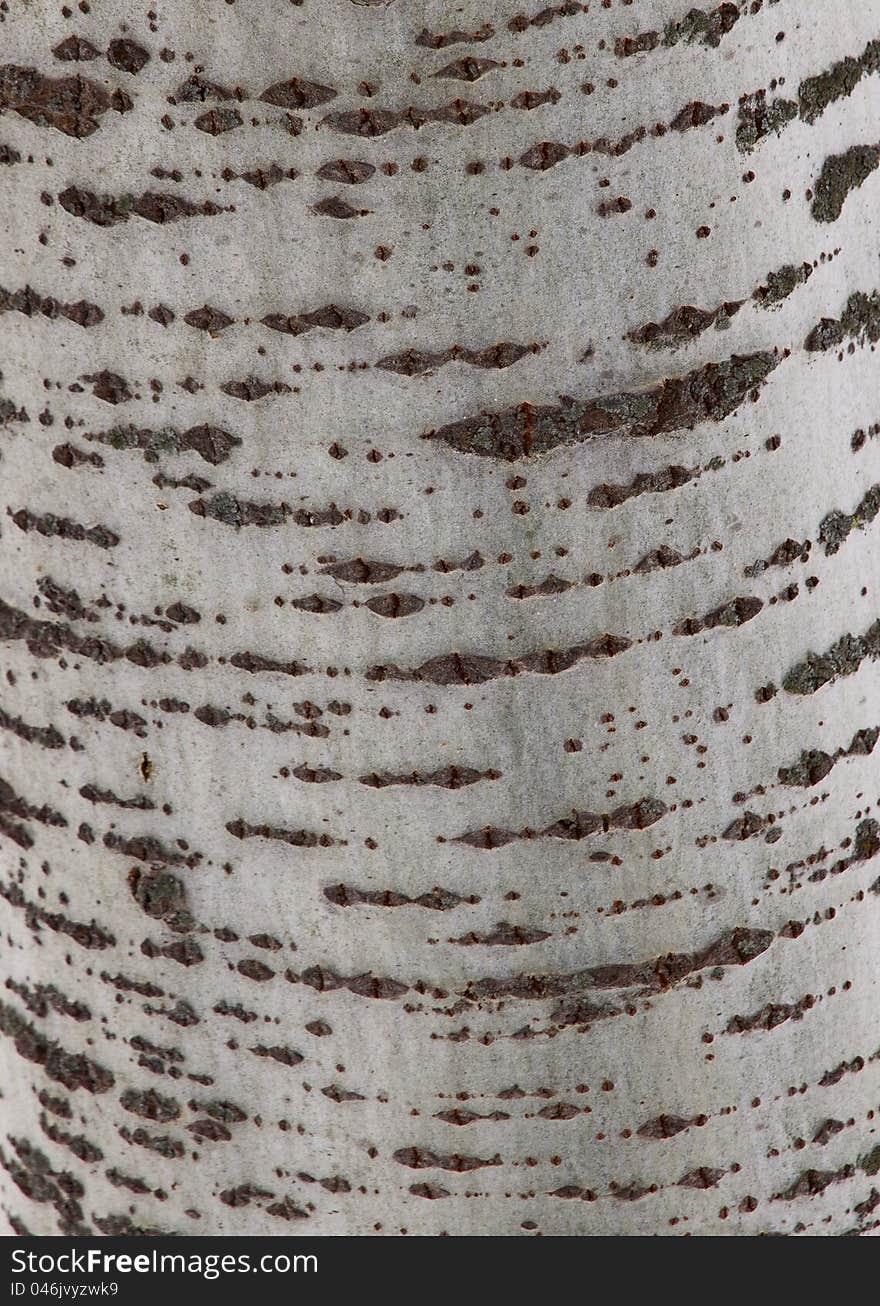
439	617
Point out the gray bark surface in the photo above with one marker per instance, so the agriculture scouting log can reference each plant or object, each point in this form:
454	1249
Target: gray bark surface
438	620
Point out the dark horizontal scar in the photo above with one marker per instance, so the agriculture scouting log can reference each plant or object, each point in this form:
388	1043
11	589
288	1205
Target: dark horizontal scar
475	668
710	393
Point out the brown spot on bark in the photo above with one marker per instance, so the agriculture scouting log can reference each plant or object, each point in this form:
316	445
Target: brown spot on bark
72	105
127	55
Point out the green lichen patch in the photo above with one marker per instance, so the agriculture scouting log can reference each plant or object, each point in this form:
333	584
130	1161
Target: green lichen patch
782	283
870	1163
162	896
229	510
860	321
841	174
211	443
836	526
760	117
816	93
843	659
702	26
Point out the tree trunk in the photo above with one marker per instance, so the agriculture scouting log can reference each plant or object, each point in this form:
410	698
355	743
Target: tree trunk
438	617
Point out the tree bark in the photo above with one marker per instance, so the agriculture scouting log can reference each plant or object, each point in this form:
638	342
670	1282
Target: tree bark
439	628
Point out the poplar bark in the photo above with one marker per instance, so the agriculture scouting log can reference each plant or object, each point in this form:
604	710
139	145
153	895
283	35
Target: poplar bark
438	482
